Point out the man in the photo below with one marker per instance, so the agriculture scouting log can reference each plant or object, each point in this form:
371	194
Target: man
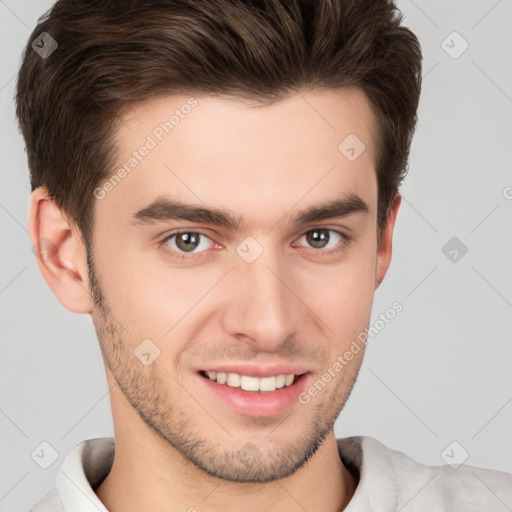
216	183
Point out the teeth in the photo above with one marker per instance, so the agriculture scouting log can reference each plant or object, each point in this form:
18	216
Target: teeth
267	383
248	383
280	381
233	380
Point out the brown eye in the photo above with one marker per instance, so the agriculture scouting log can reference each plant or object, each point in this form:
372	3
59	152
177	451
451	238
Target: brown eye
187	241
181	243
326	240
318	238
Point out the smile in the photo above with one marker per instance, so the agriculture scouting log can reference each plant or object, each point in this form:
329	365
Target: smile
249	383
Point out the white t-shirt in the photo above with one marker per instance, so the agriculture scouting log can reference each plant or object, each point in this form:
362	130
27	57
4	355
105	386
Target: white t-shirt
389	481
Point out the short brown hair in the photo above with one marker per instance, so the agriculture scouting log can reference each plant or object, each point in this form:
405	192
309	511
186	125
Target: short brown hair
113	53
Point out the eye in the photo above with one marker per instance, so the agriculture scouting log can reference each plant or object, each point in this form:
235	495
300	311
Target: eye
182	243
194	244
323	239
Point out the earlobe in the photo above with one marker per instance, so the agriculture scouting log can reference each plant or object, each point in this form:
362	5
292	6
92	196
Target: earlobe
385	249
60	253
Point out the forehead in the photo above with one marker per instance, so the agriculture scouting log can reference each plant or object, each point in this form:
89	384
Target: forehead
226	152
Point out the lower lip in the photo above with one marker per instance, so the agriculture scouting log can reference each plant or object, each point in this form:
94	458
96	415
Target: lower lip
257	403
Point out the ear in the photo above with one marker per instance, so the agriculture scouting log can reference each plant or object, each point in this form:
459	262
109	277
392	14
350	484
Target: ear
60	253
386	245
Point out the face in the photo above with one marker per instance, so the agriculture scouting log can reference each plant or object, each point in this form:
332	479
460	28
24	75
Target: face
263	281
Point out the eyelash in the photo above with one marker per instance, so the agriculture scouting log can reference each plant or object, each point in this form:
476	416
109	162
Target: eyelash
343	243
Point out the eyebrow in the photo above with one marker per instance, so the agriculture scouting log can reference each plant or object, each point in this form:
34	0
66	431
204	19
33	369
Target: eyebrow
163	209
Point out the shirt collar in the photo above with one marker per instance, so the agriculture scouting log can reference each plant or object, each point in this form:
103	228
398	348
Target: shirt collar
90	461
84	469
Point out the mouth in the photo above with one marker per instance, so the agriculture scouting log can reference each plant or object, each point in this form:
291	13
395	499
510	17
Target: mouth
251	383
249	395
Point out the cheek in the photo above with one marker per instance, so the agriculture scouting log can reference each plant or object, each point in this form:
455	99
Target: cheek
153	299
345	308
342	295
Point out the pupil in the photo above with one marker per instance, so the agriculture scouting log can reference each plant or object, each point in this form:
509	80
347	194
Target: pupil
187	241
318	238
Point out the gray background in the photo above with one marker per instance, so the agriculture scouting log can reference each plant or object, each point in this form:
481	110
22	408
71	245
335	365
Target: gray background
439	372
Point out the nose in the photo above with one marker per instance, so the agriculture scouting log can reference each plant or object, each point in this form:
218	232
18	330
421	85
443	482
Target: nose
261	306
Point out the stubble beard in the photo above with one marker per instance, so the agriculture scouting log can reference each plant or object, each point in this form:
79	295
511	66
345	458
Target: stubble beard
236	459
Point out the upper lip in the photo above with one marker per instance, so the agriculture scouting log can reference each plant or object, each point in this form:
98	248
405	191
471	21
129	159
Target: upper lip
253	370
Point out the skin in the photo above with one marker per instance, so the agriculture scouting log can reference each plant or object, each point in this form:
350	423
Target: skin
177	445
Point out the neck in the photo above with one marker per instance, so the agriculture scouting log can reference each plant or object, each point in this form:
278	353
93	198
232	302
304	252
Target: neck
149	474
